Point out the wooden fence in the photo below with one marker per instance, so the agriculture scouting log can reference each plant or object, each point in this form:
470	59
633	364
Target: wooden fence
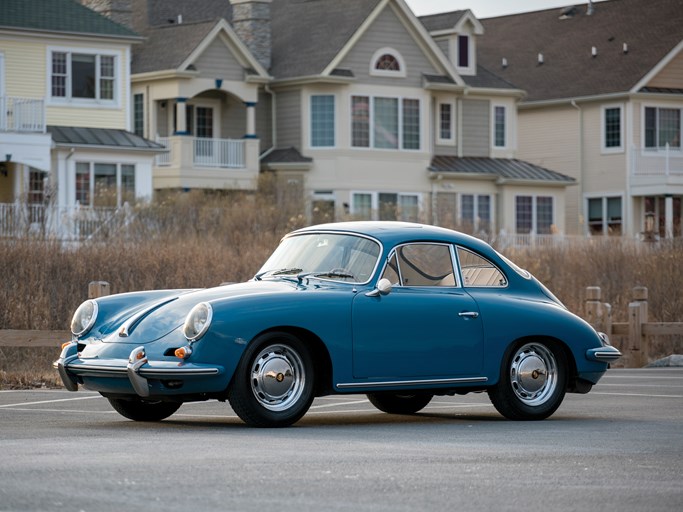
638	330
599	314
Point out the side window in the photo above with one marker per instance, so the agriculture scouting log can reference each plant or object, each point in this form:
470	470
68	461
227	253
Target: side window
421	265
478	271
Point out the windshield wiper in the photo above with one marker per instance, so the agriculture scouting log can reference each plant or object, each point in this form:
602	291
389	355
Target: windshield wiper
334	273
281	272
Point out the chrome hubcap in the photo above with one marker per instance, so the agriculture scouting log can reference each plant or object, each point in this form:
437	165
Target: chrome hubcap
277	377
533	374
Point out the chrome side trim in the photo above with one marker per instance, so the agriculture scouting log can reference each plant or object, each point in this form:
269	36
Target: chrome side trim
426	382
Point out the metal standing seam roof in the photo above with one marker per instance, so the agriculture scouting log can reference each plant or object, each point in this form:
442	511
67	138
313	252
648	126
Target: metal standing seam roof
101	137
67	16
505	168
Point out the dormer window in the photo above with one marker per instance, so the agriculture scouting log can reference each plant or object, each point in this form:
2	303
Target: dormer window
463	52
387	62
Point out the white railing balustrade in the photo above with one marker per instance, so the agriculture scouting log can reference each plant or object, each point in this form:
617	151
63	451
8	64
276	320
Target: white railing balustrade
22	114
164	158
666	161
218	153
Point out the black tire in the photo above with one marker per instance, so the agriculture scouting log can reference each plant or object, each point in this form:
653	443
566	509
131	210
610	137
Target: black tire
140	410
533	381
399	403
273	385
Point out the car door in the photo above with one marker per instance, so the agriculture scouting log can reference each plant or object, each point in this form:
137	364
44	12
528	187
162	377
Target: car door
427	326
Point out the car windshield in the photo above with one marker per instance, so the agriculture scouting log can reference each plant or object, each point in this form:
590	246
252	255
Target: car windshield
339	257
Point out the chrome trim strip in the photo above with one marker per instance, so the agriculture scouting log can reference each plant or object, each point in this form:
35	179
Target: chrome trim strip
386	384
156	372
607	356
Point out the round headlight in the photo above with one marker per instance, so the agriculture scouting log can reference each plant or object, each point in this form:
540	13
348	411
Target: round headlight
84	318
198	321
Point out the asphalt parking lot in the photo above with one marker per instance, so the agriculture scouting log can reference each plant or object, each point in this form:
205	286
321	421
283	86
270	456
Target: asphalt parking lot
618	448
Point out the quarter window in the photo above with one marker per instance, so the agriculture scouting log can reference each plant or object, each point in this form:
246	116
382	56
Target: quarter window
421	265
477	271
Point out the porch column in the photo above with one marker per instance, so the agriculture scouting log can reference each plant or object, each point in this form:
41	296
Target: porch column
180	116
251	120
668	216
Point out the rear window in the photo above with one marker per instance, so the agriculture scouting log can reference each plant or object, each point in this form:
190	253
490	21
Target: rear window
477	271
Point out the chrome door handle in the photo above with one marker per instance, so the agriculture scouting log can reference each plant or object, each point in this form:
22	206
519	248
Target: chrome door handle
469	314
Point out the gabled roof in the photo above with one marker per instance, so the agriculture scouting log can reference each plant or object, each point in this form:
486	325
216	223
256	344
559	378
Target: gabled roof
651	30
61	16
504	169
308	34
101	137
451	22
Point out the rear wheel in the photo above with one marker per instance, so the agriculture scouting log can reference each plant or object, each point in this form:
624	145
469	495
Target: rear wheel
141	410
400	403
273	383
532	383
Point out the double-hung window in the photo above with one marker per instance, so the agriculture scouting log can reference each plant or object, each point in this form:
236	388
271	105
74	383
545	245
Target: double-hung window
604	215
82	76
499	126
534	214
385	123
322	121
446	120
612	129
662	128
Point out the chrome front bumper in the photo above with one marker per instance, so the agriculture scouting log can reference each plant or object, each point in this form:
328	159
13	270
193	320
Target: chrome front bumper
138	369
605	354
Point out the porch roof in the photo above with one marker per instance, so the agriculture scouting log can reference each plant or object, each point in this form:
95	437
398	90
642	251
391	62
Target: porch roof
289	155
508	169
111	138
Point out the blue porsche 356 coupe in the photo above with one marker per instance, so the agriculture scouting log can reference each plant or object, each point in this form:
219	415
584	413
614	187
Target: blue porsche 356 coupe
400	312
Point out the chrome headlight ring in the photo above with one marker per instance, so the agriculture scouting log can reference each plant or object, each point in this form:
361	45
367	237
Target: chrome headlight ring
198	321
84	318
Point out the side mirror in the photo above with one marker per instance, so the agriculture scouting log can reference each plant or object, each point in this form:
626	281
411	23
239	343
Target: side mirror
383	288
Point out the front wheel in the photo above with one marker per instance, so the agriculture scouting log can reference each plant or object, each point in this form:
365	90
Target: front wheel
273	383
141	410
532	383
400	403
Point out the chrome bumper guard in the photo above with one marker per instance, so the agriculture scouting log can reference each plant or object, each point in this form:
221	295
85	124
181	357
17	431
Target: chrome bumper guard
138	369
604	354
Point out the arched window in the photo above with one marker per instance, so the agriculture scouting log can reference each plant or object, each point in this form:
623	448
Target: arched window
387	62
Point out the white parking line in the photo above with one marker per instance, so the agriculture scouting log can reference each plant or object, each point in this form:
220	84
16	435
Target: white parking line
636	394
22	404
340	404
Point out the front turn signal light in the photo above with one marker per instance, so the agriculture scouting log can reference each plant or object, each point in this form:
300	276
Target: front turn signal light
183	352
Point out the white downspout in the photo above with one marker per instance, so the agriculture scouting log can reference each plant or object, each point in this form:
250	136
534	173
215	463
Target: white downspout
580	162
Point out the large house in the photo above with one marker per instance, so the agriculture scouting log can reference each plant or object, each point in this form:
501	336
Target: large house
603	104
68	159
356	106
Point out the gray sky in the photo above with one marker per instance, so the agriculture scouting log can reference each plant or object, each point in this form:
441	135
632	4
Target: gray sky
487	8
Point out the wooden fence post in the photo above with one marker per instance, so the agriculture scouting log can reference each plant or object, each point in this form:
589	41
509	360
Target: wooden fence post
637	316
598	314
98	289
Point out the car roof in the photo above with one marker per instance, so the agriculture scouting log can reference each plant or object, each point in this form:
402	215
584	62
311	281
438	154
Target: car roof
390	233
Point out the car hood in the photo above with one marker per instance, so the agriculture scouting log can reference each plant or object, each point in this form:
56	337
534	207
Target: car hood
159	317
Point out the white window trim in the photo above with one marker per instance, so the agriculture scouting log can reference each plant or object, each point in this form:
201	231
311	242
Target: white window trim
604	196
374	202
471	68
401	73
534	212
310	120
506	111
658	105
440	141
603	125
91	179
84	102
477	217
2	74
371	127
215	105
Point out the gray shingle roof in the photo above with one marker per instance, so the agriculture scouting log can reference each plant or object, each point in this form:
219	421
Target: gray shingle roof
510	169
308	34
168	46
285	156
651	29
65	16
100	137
484	78
441	21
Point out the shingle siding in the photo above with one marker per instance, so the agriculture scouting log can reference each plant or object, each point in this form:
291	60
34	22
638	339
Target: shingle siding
476	128
388	31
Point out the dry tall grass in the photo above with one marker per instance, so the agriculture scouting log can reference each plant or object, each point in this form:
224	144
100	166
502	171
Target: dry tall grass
200	240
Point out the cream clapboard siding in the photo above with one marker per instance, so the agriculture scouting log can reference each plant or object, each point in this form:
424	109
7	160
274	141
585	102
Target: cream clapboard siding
25	67
476	136
388	32
218	61
550	138
288	106
603	174
671	76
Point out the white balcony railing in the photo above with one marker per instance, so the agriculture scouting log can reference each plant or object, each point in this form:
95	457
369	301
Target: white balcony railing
22	114
220	153
667	161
